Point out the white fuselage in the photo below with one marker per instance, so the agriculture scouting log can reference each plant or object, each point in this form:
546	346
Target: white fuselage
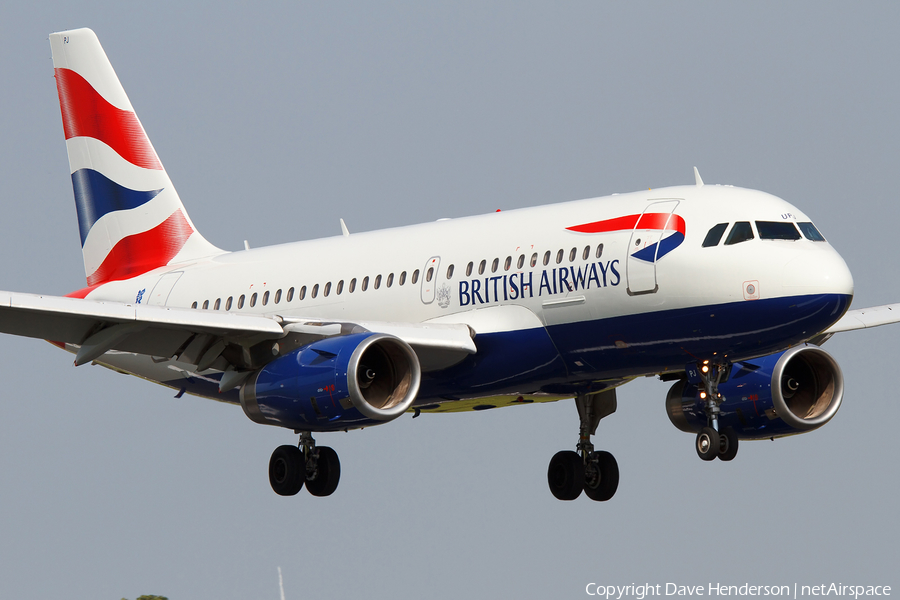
432	272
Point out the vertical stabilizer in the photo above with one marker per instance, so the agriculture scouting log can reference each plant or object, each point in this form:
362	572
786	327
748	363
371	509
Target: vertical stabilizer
130	217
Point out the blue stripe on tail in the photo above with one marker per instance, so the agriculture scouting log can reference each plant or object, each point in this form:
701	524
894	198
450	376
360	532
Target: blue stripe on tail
97	195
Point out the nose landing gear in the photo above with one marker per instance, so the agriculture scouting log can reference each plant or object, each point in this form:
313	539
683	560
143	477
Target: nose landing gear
597	473
316	466
712	442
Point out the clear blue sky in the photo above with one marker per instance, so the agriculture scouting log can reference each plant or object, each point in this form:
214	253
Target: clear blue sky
275	121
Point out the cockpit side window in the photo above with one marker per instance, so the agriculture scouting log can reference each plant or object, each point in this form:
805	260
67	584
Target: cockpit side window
810	232
714	236
777	230
741	232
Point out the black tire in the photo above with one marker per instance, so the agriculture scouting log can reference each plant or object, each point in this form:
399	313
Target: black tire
566	475
707	443
328	473
728	446
286	470
604	487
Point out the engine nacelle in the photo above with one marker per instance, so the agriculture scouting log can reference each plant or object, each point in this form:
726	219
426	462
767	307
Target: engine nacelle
337	383
782	394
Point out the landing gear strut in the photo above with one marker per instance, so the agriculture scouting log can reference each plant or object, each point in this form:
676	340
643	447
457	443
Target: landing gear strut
711	441
597	473
316	466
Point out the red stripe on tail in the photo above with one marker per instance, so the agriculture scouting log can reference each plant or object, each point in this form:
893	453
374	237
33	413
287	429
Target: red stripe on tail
86	113
142	252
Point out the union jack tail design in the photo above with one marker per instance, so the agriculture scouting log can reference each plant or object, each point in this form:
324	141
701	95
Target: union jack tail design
130	217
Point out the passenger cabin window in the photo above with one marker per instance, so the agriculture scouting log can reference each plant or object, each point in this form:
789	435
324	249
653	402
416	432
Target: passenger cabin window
521	262
810	232
777	230
390	280
302	293
353	285
559	257
534	259
480	267
290	295
714	235
365	283
450	272
599	250
340	287
315	291
469	269
586	253
415	277
241	301
741	232
327	290
546	258
402	278
253	300
205	304
218	303
377	283
507	263
278	296
194	305
265	298
494	265
572	254
228	303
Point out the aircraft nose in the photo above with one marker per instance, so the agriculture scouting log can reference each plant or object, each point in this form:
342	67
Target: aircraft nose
821	272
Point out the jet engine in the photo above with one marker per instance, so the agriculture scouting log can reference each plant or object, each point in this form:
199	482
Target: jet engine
337	383
791	392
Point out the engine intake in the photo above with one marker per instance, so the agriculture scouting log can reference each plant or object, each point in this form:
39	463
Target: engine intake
794	391
337	383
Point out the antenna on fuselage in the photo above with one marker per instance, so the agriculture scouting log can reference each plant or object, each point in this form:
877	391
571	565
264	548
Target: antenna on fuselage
344	229
697	177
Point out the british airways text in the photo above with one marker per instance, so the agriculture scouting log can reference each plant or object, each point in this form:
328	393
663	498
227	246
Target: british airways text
559	280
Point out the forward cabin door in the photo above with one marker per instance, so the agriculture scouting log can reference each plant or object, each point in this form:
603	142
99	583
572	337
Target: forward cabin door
643	250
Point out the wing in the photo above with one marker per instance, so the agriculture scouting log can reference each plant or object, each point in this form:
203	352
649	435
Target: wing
207	339
861	318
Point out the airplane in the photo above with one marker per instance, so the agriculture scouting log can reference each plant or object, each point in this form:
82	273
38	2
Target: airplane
726	292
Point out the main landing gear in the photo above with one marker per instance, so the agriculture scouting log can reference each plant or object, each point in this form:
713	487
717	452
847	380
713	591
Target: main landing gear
316	466
597	473
711	441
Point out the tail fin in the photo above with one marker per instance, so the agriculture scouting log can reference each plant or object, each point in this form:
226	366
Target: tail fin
130	216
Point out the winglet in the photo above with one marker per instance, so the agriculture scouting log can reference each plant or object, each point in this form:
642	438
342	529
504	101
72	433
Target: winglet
697	177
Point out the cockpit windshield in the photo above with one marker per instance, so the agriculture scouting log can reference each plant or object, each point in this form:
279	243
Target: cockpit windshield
714	236
810	232
742	231
777	230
